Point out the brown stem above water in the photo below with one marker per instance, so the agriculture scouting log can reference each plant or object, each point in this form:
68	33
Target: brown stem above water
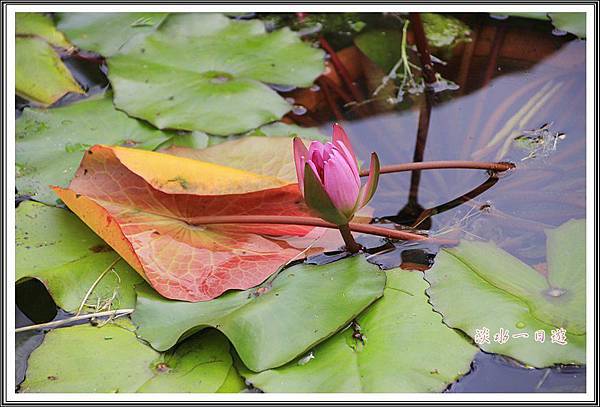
435	165
311	221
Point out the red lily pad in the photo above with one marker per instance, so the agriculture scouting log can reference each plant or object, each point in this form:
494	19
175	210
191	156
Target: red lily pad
147	206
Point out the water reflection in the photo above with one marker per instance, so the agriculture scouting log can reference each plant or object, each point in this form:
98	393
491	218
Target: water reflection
544	191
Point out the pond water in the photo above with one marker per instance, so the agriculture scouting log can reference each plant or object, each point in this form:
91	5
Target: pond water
521	99
545	190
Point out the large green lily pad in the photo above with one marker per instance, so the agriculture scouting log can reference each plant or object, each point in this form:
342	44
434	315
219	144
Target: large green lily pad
405	347
107	33
479	287
55	247
50	143
205	72
39	25
110	359
40	75
273	323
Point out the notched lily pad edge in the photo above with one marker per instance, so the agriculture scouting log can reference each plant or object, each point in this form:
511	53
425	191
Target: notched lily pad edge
468	337
251	291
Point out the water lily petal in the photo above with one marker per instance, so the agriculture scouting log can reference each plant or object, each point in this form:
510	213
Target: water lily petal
368	190
340	184
315	154
351	160
339	134
300	153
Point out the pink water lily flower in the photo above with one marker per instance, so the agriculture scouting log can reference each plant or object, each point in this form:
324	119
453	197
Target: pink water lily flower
329	180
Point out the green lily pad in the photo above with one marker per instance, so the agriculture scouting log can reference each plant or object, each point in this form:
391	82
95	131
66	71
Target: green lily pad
233	383
107	33
40	75
200	140
39	25
205	72
55	247
478	287
50	143
273	323
405	347
573	23
110	359
533	16
280	129
444	31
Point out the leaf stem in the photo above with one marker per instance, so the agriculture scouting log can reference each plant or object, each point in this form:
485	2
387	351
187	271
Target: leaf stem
312	221
54	324
351	244
434	165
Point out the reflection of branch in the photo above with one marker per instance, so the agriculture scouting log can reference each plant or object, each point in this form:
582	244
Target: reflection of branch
419	153
422	47
329	99
435	165
490	182
341	70
309	221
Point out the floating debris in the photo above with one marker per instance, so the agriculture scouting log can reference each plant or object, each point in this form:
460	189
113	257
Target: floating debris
540	142
306	359
299	110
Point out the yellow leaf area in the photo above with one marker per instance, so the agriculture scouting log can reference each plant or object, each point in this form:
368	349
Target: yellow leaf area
144	204
268	156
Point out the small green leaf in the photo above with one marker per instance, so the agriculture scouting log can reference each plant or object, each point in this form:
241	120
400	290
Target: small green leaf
55	247
533	16
573	23
398	345
383	47
81	359
273	323
504	293
444	31
51	143
40	75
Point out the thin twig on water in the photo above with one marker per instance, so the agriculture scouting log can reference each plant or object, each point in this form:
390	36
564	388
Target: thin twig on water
55	324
